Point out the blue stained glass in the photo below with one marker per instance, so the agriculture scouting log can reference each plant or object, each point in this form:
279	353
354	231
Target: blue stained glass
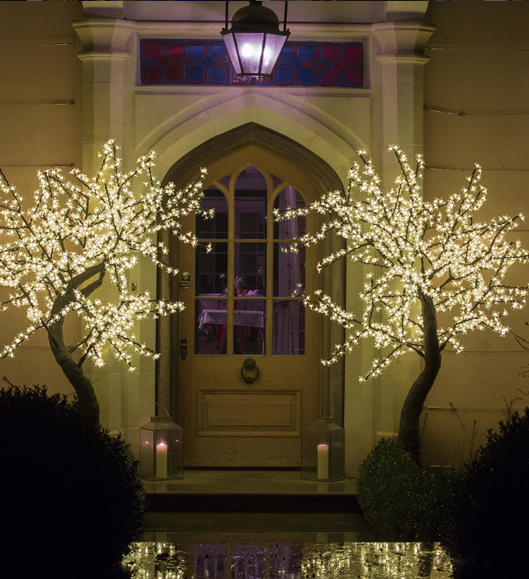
218	75
287	54
195	74
307	75
196	51
218	51
307	51
284	75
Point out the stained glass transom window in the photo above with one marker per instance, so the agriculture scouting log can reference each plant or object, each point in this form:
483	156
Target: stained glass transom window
206	62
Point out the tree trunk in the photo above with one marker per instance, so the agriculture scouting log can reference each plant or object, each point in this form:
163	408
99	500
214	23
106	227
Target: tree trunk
409	433
86	396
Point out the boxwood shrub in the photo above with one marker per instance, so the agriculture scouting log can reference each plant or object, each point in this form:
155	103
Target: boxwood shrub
401	501
493	508
71	496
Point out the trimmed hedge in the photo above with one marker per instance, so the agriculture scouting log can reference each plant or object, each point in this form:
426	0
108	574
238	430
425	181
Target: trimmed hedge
71	496
400	501
493	509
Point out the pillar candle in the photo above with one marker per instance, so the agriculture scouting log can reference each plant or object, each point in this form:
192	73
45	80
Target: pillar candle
161	460
323	461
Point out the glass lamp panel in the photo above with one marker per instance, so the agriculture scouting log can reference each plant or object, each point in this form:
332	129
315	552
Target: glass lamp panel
217	227
229	40
273	46
250	47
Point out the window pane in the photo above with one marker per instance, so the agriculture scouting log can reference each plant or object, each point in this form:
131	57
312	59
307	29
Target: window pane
211	269
216	228
289	271
289	198
249	326
289	328
250	205
210	326
250	264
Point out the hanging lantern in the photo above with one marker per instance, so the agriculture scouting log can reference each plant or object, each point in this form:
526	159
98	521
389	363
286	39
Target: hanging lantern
323	451
254	41
162	449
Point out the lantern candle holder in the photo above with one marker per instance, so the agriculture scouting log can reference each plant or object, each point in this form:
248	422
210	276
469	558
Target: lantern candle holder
323	451
162	449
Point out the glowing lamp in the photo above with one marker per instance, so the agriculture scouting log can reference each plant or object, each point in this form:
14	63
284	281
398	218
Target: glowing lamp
254	41
323	451
161	449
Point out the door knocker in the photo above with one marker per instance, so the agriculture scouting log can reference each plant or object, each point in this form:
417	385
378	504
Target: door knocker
249	365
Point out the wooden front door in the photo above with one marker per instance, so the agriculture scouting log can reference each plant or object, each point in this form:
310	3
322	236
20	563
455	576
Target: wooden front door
251	378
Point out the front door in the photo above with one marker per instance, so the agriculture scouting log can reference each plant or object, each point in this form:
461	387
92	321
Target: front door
250	380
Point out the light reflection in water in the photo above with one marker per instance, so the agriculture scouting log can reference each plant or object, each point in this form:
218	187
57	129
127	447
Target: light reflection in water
357	560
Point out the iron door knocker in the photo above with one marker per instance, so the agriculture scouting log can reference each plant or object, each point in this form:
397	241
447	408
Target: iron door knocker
249	365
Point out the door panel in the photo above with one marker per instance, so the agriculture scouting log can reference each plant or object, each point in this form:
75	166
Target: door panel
241	304
247	413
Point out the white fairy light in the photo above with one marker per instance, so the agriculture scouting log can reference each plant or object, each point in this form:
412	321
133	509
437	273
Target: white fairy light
76	231
420	250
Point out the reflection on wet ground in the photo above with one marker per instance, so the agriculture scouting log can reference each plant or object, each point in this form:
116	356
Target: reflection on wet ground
276	546
288	561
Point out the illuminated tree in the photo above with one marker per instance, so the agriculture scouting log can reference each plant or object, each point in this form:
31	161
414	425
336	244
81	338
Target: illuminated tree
427	258
56	250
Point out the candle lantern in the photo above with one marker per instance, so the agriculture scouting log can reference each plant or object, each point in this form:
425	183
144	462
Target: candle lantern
323	451
162	449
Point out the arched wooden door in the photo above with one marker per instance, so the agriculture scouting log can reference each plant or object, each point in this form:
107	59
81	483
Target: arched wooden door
246	352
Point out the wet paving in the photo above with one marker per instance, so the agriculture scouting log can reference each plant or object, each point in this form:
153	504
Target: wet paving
276	546
226	524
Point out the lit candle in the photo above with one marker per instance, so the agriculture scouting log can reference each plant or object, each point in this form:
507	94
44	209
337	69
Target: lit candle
161	460
323	461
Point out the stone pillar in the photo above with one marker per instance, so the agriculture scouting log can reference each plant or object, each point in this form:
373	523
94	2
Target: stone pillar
397	66
108	56
399	85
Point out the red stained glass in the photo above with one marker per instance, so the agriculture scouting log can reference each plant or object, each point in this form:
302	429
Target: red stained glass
175	51
329	76
151	49
330	51
353	53
175	74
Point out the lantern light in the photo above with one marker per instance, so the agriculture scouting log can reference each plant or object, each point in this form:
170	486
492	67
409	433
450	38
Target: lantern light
161	449
323	451
254	41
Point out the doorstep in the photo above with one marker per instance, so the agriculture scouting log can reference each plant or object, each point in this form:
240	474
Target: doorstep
249	491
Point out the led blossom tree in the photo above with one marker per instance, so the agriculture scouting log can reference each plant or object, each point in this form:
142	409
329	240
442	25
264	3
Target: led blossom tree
56	251
427	258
